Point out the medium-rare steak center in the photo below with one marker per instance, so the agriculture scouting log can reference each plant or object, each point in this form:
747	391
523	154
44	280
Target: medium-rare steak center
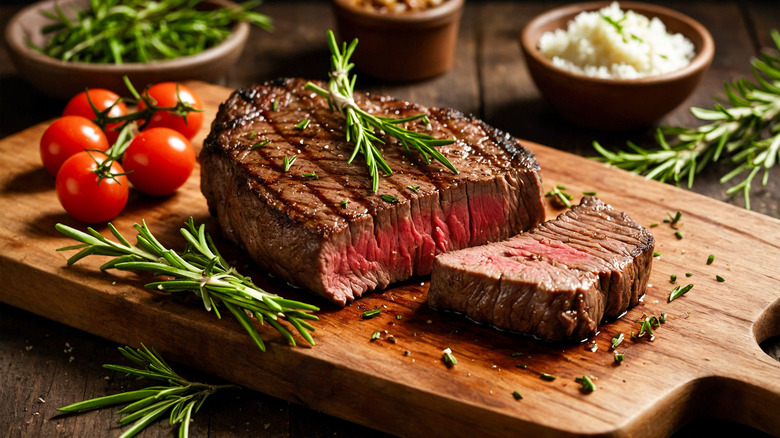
318	224
556	281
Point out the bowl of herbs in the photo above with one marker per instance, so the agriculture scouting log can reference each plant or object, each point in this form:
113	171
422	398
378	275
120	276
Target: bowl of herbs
63	46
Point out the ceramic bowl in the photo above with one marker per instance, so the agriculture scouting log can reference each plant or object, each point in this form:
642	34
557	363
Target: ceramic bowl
405	46
615	104
65	79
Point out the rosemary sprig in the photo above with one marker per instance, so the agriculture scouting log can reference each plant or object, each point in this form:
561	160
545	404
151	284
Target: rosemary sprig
201	270
362	127
145	406
121	31
746	136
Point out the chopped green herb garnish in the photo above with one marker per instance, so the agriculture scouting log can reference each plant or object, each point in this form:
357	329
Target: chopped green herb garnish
656	254
586	382
392	340
720	279
560	187
414	188
449	358
547	377
288	162
517	354
274	105
678	291
312	175
522	366
676	218
633	337
672	278
619	357
678	234
398	317
375	336
654	322
344	203
654	224
252	134
710	259
302	124
368	314
558	194
517	395
663	318
645	327
636	38
689	274
260	144
617	339
589	193
389	198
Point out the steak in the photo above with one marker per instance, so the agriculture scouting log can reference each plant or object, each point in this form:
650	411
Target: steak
556	281
332	234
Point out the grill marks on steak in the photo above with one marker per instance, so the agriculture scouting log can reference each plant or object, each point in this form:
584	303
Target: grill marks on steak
556	281
299	228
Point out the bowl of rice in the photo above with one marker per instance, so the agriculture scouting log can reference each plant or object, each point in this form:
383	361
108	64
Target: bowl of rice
616	66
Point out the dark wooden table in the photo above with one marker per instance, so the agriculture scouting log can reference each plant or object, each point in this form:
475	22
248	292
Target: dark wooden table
44	364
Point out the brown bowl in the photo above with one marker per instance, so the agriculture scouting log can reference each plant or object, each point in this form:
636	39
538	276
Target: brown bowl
401	46
65	79
615	104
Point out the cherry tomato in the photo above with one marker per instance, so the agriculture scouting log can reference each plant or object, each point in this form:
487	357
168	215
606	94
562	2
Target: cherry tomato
67	136
79	106
82	196
165	95
160	161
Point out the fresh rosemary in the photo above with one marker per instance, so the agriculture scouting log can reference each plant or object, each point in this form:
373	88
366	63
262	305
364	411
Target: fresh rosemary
201	270
746	136
122	31
560	196
145	406
362	126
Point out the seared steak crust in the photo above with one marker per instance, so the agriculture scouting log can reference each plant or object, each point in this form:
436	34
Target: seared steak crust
556	281
331	234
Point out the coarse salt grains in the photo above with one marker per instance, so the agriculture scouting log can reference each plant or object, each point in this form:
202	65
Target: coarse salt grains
612	43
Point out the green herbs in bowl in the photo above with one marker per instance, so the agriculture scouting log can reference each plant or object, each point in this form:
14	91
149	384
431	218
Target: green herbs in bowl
63	46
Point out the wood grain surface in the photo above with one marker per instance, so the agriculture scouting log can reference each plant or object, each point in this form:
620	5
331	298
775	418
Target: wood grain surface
704	360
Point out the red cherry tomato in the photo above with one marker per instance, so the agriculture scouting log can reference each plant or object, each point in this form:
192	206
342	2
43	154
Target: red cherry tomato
82	196
165	95
159	161
67	136
79	106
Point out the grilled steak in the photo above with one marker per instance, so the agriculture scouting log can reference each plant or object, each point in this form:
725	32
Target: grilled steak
331	234
556	281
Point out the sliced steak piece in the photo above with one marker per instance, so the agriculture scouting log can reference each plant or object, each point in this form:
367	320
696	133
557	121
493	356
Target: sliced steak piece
556	281
331	234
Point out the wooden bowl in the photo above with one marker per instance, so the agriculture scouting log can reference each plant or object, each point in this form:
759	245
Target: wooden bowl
65	79
615	104
404	46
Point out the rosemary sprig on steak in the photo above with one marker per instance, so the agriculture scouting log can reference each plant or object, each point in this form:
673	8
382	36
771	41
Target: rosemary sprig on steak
201	270
362	127
746	136
180	397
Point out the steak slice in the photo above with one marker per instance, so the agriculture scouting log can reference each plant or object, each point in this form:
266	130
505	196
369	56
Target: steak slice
556	281
331	234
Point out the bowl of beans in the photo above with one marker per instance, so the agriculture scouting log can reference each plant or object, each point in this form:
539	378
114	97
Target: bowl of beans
400	40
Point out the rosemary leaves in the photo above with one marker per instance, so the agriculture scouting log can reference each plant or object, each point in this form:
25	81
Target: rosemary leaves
363	128
745	136
201	270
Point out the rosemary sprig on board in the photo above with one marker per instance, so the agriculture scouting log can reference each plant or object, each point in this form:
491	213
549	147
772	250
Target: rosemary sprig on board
181	397
200	270
362	127
746	136
122	31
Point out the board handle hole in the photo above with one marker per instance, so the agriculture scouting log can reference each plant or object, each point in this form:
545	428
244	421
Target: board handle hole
767	330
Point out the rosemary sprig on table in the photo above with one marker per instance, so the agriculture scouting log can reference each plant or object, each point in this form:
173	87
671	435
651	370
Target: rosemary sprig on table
145	406
200	270
116	32
362	127
746	136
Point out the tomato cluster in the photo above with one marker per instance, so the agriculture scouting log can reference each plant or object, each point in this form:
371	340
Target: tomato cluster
93	165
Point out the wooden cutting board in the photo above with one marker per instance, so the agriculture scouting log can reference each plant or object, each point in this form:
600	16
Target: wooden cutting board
705	360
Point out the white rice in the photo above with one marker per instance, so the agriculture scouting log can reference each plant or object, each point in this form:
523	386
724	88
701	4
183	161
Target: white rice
611	43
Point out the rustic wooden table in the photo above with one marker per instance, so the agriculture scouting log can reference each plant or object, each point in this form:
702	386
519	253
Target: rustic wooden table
44	364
